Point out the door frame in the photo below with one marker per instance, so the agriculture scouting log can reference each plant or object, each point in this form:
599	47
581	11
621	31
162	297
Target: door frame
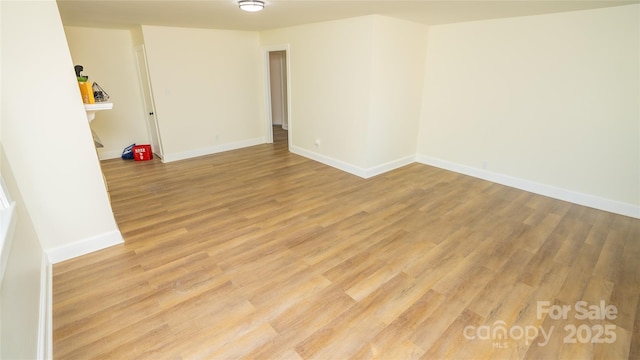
267	90
146	87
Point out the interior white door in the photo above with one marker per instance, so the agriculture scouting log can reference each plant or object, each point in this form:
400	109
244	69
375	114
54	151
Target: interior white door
147	95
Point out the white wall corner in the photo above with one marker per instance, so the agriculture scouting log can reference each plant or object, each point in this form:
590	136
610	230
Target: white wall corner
575	197
169	157
391	165
364	173
329	161
45	316
84	246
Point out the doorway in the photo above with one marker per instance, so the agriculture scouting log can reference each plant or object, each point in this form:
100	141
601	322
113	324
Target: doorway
278	126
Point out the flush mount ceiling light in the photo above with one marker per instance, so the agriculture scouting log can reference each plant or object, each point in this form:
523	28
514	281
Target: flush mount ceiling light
251	5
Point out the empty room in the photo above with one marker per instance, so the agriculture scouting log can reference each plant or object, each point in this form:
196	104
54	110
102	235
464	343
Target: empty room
226	179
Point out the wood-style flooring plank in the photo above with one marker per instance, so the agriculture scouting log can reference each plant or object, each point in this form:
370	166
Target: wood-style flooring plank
258	253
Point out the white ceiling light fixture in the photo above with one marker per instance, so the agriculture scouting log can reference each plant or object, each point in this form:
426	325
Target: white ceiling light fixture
251	5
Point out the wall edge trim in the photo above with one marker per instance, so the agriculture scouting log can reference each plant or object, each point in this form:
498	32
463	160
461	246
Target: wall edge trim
364	173
45	316
84	246
596	202
170	157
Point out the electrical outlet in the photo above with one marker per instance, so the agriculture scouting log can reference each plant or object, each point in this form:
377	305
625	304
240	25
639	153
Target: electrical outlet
485	164
317	143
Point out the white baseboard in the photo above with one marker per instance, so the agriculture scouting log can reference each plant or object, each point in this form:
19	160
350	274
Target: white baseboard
338	164
575	197
45	316
364	173
84	246
107	155
212	150
391	165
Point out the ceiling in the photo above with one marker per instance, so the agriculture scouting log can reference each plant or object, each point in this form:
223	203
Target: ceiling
224	14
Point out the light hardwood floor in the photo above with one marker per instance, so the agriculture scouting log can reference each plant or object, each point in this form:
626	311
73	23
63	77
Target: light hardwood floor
262	254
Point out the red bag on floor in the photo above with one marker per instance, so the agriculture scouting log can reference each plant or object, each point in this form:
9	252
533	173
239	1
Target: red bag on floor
142	152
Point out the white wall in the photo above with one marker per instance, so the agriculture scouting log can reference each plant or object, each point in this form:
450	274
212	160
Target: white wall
48	162
108	58
549	102
330	67
208	89
399	50
355	87
20	294
20	291
45	132
136	36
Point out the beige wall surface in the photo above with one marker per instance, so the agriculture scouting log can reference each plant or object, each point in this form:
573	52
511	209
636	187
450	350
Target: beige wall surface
552	99
355	87
399	50
330	81
136	36
45	132
48	162
108	58
207	86
20	294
